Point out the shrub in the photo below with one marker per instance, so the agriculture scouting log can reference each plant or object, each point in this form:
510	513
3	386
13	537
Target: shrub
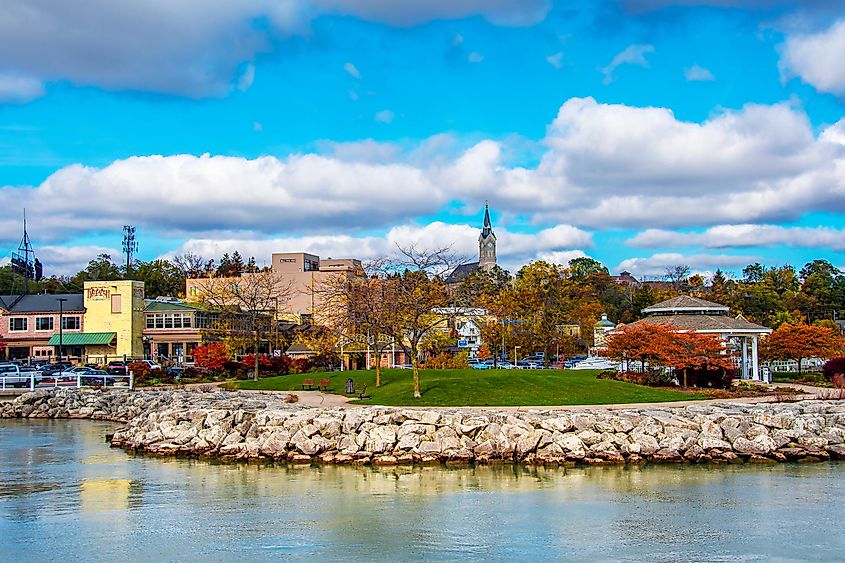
833	367
652	378
141	372
719	378
212	356
300	365
447	361
235	369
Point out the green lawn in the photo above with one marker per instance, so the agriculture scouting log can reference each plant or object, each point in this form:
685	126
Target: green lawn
468	387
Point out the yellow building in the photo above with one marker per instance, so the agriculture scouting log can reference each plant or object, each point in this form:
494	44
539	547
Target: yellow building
115	308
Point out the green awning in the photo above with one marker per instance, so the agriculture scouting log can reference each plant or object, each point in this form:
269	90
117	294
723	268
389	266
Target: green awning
83	339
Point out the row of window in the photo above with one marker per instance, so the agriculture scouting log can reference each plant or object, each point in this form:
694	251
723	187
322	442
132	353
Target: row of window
169	320
21	324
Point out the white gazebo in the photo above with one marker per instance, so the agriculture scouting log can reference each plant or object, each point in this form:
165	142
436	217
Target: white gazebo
685	313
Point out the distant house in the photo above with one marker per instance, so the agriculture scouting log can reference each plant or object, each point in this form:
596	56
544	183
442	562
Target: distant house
625	278
29	322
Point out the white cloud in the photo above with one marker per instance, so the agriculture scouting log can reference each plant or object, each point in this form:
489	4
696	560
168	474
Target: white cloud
656	264
817	58
191	48
475	57
698	73
19	89
68	260
559	244
352	70
247	78
632	55
555	60
384	116
412	12
740	236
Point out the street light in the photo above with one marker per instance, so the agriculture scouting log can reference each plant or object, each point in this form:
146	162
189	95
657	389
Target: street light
61	301
515	357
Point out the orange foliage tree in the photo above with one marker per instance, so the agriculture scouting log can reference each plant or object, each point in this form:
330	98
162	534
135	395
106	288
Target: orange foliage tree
212	356
799	341
687	351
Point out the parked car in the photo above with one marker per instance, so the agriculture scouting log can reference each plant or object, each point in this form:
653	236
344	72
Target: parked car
50	370
16	376
505	365
70	373
116	368
152	365
95	376
481	365
175	372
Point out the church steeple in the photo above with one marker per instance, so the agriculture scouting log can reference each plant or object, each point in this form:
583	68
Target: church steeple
487	243
488	226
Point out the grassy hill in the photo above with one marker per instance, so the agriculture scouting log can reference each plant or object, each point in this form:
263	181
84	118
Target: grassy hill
468	387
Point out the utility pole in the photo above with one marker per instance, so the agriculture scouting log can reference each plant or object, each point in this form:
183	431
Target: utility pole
61	301
130	245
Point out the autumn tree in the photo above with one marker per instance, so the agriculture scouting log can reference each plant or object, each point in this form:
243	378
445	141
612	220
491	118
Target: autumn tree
247	305
643	343
193	265
362	308
418	288
800	341
211	356
700	353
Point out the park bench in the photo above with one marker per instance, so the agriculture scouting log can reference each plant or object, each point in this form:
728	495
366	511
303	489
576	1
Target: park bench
324	384
362	392
308	384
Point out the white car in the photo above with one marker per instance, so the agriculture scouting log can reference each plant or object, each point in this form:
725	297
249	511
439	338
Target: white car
151	364
14	375
70	374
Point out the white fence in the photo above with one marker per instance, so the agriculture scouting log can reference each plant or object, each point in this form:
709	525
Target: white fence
33	380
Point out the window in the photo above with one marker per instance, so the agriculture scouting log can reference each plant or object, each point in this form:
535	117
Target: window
71	323
116	304
18	324
169	320
43	323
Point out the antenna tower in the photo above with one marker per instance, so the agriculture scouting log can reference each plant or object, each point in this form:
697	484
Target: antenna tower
24	261
130	245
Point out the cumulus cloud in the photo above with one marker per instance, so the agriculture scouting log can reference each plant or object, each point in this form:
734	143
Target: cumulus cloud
68	260
558	244
697	73
516	13
193	48
816	58
19	89
656	264
604	166
632	55
740	236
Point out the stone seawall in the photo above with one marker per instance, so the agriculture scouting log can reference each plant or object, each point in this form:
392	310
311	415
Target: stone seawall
240	426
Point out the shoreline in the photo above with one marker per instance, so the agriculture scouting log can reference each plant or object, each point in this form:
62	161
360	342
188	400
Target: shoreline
233	426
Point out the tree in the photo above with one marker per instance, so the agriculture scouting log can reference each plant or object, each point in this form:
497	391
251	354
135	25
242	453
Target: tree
419	287
583	267
800	341
160	277
753	273
100	268
212	356
643	343
193	266
362	309
677	274
692	351
249	304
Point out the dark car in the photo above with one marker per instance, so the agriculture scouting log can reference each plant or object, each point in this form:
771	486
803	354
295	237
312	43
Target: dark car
116	368
91	376
51	369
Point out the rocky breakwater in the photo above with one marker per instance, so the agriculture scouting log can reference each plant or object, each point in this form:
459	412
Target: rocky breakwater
236	426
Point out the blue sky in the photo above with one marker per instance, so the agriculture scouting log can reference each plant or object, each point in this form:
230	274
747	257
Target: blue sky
643	133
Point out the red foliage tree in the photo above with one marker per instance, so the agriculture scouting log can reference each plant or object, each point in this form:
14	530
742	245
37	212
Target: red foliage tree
212	356
643	343
799	341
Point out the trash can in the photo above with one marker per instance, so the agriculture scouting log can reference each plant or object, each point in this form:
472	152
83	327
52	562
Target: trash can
350	387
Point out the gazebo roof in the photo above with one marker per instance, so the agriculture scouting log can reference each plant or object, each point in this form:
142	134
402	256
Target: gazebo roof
722	324
685	304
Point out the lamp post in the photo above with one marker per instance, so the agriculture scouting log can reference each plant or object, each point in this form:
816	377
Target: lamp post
515	357
61	301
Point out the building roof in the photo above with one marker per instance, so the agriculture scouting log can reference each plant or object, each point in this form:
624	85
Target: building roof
686	304
705	323
42	303
487	229
156	306
604	322
462	272
83	339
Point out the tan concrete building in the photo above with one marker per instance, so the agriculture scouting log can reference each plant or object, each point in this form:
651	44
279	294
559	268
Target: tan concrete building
114	308
304	273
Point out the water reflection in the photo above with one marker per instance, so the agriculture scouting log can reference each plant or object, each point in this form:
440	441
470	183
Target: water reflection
60	476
